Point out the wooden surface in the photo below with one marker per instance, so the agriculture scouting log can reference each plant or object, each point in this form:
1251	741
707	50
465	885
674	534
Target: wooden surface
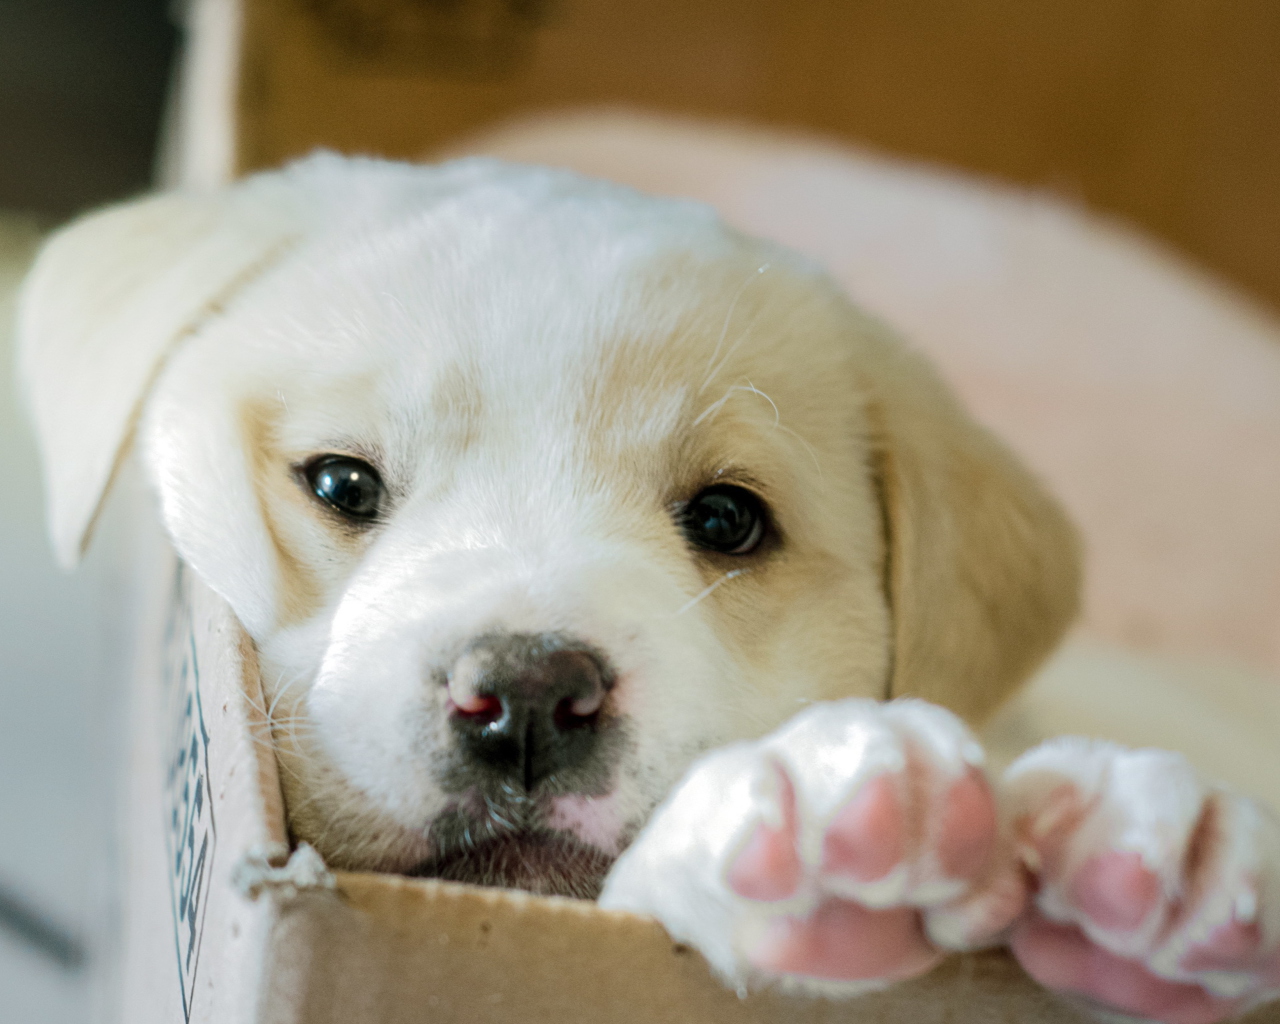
1166	112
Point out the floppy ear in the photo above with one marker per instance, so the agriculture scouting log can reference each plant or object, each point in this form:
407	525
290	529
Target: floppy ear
983	567
105	301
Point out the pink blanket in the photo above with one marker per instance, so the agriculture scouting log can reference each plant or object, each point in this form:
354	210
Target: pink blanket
1145	392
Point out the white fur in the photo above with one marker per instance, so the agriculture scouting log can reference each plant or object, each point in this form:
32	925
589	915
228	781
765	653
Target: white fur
365	292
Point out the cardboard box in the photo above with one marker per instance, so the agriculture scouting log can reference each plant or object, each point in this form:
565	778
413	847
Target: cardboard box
221	924
222	927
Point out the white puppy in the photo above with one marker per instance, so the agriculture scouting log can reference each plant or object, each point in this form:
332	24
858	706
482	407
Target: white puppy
531	490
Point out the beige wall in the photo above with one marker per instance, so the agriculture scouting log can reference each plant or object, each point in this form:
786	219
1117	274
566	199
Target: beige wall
1164	111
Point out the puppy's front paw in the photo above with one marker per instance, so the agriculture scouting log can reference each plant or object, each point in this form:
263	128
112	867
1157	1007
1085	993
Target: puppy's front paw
846	850
1158	896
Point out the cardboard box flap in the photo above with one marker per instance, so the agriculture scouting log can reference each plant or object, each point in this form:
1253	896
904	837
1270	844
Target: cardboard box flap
408	951
353	948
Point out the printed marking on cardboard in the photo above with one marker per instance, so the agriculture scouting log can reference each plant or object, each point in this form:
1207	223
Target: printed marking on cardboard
190	832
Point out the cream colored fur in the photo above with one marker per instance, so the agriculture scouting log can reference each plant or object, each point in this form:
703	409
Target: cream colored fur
1142	391
541	365
543	368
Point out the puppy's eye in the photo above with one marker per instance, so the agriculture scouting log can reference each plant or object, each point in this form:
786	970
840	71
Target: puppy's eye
352	486
725	518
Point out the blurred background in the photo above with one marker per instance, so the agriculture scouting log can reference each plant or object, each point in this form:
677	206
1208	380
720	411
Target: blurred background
1164	114
83	86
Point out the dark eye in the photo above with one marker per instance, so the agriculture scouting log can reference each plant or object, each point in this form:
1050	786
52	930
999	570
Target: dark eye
352	486
725	518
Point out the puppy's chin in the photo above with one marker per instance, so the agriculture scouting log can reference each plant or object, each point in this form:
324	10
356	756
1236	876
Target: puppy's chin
538	860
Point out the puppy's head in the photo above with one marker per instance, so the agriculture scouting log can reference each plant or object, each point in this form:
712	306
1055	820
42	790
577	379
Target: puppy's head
529	489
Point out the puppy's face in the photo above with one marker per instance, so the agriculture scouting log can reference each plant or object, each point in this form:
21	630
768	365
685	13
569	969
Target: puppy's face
551	511
531	489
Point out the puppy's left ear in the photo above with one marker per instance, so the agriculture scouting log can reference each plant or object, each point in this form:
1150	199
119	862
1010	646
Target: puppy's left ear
105	301
983	567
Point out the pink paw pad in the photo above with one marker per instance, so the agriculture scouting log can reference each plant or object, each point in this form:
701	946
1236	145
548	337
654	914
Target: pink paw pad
1230	948
867	838
1116	890
768	868
1061	958
842	941
969	827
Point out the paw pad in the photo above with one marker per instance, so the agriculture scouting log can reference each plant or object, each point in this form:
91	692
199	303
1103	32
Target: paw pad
769	868
867	865
866	839
1116	890
842	941
969	827
1158	895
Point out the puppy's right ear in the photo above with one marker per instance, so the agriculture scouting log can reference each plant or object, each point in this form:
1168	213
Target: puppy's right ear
105	301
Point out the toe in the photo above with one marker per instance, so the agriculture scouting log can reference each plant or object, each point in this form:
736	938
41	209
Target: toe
1116	890
768	867
866	839
969	827
1232	947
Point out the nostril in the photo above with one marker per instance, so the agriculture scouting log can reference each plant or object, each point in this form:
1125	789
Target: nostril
478	709
575	683
464	684
573	713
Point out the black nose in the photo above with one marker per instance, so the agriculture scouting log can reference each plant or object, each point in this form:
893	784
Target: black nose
528	705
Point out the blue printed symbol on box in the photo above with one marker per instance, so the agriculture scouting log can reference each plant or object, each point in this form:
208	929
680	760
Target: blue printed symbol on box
190	833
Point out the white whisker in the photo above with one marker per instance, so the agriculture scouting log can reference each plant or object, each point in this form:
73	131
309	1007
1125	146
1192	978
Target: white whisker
724	329
777	416
724	359
807	447
715	407
706	591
